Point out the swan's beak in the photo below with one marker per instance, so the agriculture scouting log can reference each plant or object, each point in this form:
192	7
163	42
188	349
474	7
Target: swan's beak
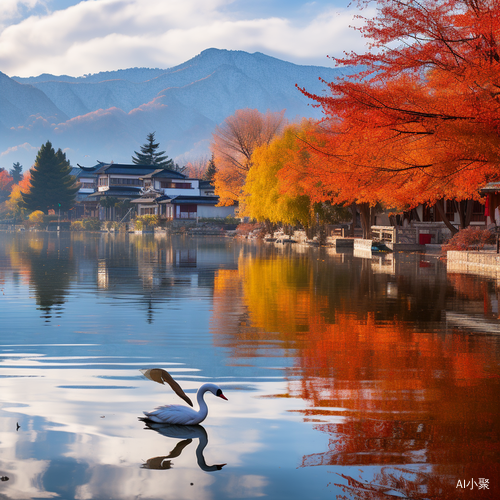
223	397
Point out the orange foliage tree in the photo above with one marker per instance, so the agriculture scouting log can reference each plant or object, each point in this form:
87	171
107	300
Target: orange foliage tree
196	169
419	122
5	184
233	143
14	203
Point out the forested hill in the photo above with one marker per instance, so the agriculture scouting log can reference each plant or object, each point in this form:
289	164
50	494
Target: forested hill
107	115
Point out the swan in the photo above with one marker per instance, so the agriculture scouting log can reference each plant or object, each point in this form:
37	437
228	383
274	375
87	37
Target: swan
178	414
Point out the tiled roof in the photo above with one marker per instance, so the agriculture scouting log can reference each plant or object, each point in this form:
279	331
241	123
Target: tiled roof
206	185
162	173
491	187
184	200
133	169
127	169
129	191
144	171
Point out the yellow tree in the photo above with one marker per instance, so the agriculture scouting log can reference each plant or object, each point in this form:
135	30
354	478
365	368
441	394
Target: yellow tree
233	143
264	195
14	203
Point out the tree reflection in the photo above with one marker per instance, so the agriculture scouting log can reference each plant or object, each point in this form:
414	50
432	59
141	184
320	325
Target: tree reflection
142	269
46	260
380	379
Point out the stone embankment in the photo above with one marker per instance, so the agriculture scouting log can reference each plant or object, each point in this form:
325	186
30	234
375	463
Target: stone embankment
484	263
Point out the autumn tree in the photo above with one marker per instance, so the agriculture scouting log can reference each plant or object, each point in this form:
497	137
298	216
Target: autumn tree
233	143
264	197
51	184
149	154
196	168
419	122
5	184
15	204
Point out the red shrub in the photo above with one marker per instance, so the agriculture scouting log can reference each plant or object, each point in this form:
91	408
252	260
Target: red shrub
471	238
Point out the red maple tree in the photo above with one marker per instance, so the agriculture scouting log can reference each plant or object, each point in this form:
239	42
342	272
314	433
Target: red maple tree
420	121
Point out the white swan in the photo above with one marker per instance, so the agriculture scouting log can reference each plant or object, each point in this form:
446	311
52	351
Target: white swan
178	414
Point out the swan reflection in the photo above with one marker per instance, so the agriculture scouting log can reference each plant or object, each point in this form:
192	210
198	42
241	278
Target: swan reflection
185	432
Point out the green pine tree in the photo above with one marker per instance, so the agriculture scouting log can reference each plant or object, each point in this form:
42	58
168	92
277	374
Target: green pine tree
150	155
15	172
52	186
210	171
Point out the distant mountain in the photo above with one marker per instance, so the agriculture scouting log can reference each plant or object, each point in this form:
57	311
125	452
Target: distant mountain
18	102
107	115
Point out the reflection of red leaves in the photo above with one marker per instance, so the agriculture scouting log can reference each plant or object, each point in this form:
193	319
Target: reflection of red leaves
382	393
407	483
424	483
467	286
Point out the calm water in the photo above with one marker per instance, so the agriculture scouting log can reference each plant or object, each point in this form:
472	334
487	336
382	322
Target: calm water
347	377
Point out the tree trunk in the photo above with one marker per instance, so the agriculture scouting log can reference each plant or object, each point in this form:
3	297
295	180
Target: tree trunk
270	227
366	219
440	208
354	211
464	209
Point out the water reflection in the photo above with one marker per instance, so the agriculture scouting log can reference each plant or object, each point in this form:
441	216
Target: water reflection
142	271
383	380
46	262
186	433
350	376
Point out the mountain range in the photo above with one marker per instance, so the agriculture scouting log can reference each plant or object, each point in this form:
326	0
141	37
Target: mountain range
107	115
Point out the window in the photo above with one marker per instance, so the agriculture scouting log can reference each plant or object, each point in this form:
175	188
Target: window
478	212
87	183
175	185
118	181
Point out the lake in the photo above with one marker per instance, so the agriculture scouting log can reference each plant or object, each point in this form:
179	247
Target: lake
346	376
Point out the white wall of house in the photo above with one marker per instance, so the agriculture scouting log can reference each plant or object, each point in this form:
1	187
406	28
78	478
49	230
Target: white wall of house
193	191
209	211
179	192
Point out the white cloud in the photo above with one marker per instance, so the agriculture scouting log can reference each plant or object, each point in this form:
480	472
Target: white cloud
22	147
98	35
10	10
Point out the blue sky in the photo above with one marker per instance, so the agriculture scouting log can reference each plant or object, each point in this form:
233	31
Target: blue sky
77	37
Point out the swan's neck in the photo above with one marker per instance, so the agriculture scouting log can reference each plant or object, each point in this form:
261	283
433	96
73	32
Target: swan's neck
203	437
203	411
